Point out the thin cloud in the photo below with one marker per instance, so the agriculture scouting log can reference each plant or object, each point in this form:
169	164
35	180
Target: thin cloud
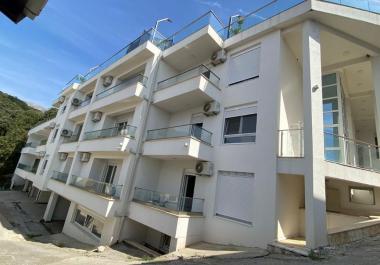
211	4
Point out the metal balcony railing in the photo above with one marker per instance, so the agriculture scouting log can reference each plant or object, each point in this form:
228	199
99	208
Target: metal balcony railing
208	18
201	70
150	35
30	144
191	130
168	201
351	152
27	168
124	84
126	131
59	176
366	5
291	143
73	138
97	187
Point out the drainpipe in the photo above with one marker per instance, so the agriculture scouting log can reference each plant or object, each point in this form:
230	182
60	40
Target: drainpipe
133	168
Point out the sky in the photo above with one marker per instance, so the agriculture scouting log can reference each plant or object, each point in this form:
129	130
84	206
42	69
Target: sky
37	58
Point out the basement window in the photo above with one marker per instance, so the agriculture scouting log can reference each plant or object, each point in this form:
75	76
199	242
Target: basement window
362	195
88	223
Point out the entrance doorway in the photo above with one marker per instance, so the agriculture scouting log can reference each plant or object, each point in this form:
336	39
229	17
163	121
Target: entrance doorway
187	193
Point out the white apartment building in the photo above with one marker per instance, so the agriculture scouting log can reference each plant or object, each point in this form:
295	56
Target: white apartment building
259	132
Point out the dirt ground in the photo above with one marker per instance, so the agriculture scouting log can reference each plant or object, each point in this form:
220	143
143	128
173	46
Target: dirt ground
24	240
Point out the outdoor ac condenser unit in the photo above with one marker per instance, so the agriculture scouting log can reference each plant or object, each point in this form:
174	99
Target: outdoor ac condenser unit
96	116
211	108
85	157
63	156
218	57
204	168
66	133
51	125
76	102
107	80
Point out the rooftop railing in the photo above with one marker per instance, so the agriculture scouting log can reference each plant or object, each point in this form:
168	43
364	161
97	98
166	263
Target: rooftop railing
59	176
124	84
27	168
201	70
149	35
191	130
366	5
208	18
257	16
126	131
97	187
168	201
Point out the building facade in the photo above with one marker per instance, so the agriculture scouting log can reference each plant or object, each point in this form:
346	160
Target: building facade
259	132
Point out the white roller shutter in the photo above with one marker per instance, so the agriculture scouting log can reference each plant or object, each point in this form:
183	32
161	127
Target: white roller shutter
244	65
234	196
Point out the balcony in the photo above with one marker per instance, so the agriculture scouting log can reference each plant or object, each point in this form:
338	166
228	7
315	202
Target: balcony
81	110
27	168
26	172
291	143
69	144
186	90
186	142
194	43
115	139
29	148
128	91
101	188
59	176
172	215
42	128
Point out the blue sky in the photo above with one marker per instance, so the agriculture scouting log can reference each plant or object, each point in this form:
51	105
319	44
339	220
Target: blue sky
37	58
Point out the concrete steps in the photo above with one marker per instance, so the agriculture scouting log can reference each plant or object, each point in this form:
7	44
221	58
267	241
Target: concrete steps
139	246
287	249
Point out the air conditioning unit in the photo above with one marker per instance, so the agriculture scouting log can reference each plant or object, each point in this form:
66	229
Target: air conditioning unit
211	108
85	157
66	133
218	57
204	168
96	116
61	99
75	102
63	156
107	80
51	125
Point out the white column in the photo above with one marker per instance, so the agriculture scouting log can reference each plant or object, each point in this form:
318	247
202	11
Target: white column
315	197
376	87
50	207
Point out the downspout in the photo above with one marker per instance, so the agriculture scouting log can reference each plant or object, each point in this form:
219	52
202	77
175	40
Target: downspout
140	141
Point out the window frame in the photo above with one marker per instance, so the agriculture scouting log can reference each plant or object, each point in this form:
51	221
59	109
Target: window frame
240	134
362	188
87	227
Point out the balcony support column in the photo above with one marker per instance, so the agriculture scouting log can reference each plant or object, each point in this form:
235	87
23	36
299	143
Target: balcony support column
50	207
315	197
376	87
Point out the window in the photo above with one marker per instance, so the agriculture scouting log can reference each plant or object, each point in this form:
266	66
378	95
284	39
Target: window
244	66
88	223
55	135
240	125
44	166
64	109
362	195
234	196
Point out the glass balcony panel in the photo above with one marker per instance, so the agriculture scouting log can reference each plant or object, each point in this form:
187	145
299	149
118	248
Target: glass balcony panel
27	168
98	187
291	143
126	131
59	176
181	131
198	71
168	201
367	5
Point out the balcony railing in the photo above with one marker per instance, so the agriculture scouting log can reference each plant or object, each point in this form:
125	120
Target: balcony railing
43	142
97	187
124	84
257	16
168	201
27	168
30	144
351	152
291	143
201	70
126	131
59	176
83	103
191	130
150	35
366	5
207	19
73	138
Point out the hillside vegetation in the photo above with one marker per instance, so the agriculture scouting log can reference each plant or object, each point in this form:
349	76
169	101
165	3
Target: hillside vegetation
16	118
